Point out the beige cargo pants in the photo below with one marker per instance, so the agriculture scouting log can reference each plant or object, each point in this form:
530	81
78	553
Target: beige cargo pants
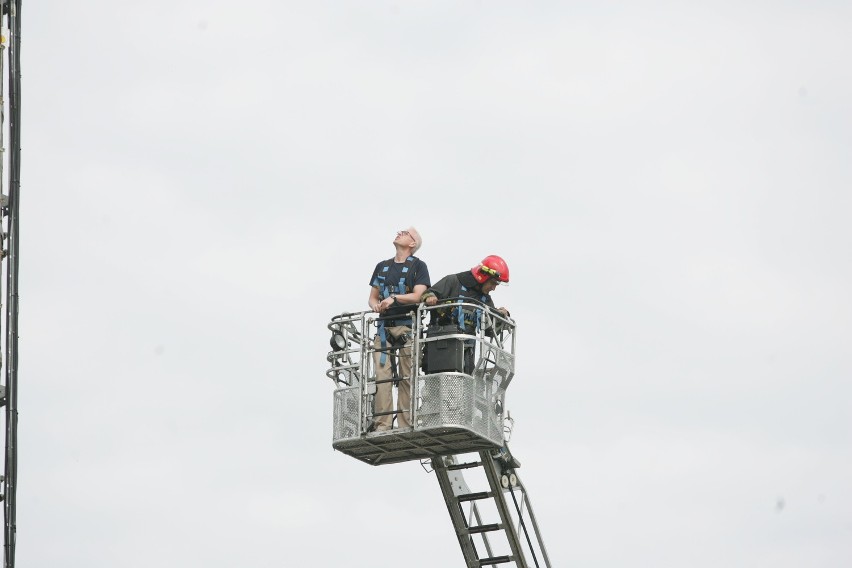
384	391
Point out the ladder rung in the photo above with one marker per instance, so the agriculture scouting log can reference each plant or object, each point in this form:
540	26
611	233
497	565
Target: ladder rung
484	528
474	496
495	560
464	465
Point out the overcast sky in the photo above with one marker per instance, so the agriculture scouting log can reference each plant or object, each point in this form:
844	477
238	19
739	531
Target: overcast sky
206	183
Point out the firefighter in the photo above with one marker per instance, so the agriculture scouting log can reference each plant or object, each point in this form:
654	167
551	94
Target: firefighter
476	283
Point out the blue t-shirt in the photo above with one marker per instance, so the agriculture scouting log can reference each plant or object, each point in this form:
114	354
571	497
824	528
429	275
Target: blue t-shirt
387	275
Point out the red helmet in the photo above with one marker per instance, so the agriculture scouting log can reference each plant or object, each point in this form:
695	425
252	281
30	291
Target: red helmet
492	266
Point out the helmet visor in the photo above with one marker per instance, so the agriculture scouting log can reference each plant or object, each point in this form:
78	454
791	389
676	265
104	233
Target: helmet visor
491	273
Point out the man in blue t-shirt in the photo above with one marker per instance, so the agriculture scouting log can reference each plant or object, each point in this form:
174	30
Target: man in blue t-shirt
395	289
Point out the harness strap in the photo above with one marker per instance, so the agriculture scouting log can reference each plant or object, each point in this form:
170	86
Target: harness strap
384	343
385	291
383	286
385	338
402	287
460	312
477	315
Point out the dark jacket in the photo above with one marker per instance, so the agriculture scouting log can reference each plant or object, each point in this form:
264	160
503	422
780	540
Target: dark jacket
448	290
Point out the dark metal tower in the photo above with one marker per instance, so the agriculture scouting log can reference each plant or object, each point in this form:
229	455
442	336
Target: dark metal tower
10	73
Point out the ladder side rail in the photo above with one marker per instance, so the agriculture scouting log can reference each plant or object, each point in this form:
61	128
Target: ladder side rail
502	508
525	498
522	527
465	541
520	509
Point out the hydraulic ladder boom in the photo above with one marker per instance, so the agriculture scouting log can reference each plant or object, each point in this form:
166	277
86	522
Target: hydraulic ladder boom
505	529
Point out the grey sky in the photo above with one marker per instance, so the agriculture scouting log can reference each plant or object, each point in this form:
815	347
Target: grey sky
206	183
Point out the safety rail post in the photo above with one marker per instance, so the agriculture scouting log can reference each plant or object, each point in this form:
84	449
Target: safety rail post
362	400
416	362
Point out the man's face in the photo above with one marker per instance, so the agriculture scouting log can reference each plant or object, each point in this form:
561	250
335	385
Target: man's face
489	285
403	238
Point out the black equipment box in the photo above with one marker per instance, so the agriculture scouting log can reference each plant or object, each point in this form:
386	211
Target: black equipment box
443	355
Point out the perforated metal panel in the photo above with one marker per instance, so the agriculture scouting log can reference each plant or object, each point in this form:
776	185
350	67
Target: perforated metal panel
346	413
454	399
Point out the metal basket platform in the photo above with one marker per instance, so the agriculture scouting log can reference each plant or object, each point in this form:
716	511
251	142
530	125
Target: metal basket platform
452	412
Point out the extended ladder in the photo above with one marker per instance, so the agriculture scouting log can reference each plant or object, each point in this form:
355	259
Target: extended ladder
505	530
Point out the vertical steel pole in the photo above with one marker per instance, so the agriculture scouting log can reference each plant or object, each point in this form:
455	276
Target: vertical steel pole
12	282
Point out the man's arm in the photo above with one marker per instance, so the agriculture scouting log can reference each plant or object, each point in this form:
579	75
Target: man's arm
412	297
438	291
374	302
